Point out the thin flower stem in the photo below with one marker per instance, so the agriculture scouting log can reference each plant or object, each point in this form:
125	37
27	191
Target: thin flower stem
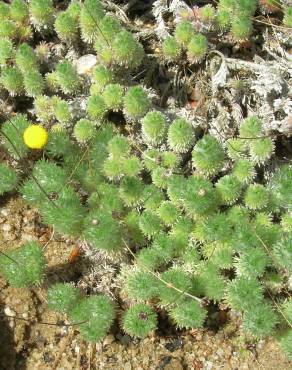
162	280
33	177
279	309
12	259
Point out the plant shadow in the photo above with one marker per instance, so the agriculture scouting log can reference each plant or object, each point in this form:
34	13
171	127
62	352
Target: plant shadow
8	354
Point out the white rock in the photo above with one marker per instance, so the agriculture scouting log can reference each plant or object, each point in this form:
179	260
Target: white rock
208	365
9	312
11	324
6	227
220	352
85	64
127	366
4	212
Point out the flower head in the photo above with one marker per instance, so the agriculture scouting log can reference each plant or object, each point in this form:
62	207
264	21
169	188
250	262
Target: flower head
35	137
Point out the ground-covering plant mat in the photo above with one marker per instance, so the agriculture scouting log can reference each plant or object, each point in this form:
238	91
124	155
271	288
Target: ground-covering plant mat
153	143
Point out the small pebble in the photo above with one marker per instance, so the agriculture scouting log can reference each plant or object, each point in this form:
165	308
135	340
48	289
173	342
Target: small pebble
9	312
11	324
6	227
127	366
108	339
208	365
4	212
25	315
86	63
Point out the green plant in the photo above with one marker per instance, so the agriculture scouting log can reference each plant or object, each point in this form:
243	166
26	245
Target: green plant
62	297
66	213
154	127
250	128
280	186
197	47
141	285
7	29
23	266
41	13
241	27
12	132
11	79
238	15
4	11
19	11
33	83
243	294
287	20
229	188
168	213
236	148
185	216
51	81
139	320
174	277
286	222
83	130
74	9
119	146
96	107
90	16
136	102
108	28
126	50
6	48
131	166
244	170
8	179
94	316
52	178
183	33
256	196
260	320
66	27
180	135
261	150
171	48
113	96
44	108
103	231
67	77
153	197
285	343
252	262
282	251
207	13
62	111
208	155
149	224
102	76
223	16
188	314
160	177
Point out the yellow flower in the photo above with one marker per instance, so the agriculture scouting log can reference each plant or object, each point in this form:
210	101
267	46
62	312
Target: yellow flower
35	137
